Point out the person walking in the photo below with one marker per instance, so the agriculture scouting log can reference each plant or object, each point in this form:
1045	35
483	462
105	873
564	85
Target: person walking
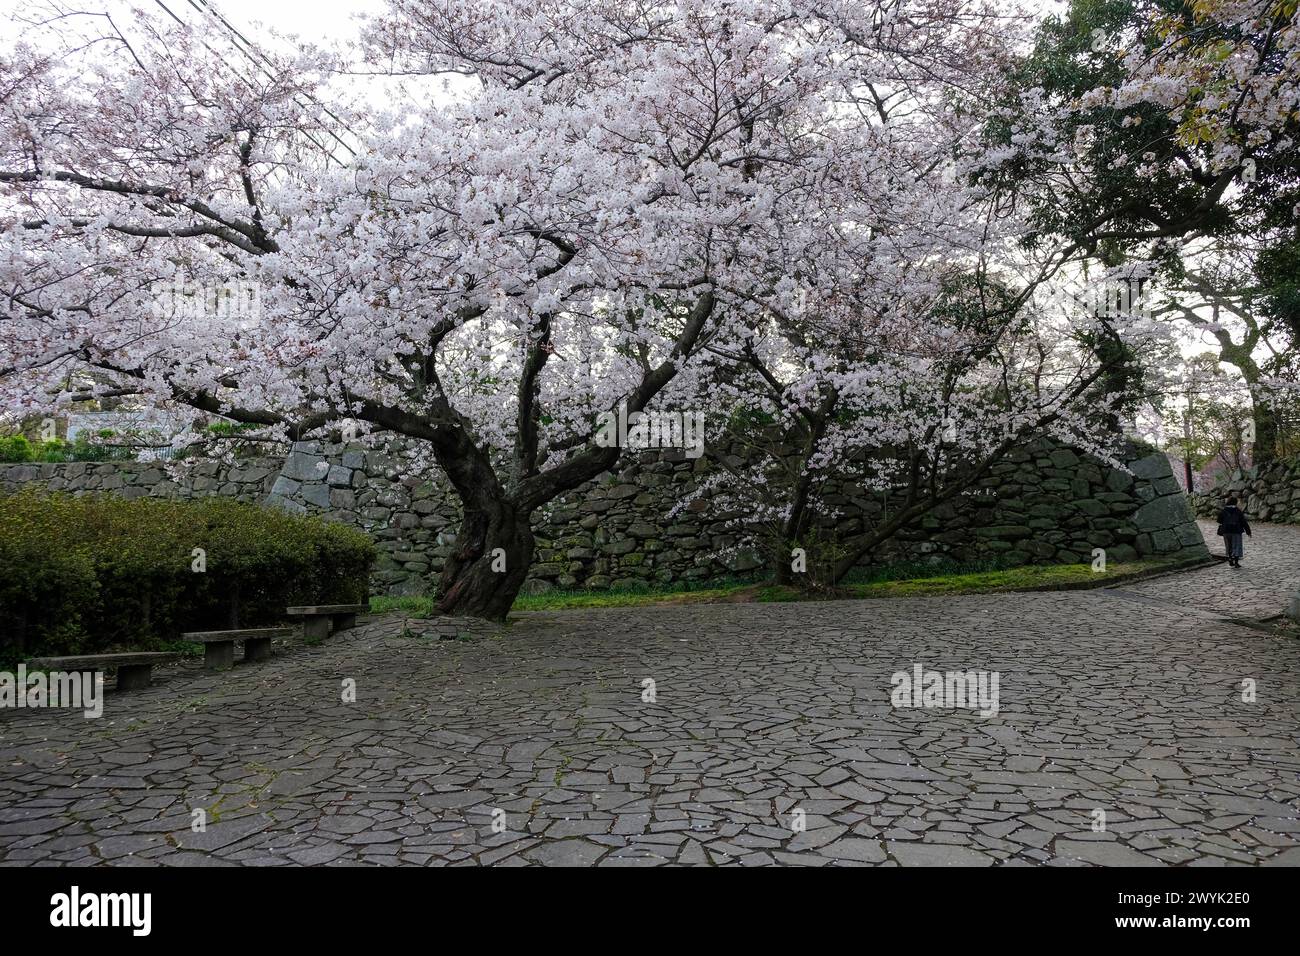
1232	525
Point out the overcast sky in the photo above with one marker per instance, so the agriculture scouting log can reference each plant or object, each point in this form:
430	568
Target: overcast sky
319	21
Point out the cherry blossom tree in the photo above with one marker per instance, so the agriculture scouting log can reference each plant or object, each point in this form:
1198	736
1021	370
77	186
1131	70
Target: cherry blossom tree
911	417
585	206
480	274
962	343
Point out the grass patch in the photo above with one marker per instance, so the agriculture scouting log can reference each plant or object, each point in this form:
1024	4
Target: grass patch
638	595
934	568
557	600
420	606
912	579
978	582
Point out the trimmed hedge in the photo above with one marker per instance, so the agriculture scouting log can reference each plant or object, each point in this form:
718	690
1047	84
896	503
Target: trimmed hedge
94	574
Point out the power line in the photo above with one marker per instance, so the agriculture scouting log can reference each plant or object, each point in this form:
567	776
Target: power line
321	146
212	6
253	53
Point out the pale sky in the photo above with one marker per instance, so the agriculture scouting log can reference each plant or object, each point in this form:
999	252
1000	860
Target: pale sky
319	21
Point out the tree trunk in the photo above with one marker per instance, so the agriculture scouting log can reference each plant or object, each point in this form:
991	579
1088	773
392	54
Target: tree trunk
1264	450
493	552
495	547
793	531
801	514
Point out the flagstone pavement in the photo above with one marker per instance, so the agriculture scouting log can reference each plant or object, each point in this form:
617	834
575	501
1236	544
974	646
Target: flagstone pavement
769	738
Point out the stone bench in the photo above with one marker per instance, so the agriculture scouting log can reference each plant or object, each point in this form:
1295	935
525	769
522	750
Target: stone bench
134	668
219	646
320	619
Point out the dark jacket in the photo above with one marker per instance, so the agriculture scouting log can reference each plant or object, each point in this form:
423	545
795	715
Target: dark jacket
1232	520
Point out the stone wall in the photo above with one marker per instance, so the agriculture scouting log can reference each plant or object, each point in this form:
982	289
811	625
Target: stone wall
1271	493
1046	505
248	480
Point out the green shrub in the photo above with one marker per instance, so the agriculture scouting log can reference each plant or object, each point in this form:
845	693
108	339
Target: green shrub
16	448
92	574
19	448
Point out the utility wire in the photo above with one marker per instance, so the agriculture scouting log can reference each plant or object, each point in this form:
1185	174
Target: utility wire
253	53
319	145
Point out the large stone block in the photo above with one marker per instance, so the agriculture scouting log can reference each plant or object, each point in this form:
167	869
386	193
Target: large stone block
285	487
1151	467
1160	513
1006	532
1165	542
1121	553
304	464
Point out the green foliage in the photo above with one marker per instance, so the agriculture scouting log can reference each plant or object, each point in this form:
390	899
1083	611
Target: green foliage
1074	53
18	448
976	302
1084	48
743	419
230	428
1278	272
85	574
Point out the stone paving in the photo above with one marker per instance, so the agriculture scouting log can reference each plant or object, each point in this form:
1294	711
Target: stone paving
770	739
1268	578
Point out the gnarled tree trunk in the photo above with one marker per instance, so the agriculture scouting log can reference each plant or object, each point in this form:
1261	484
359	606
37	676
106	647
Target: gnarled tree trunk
493	553
494	547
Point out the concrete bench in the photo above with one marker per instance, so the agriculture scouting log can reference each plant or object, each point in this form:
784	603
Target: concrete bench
134	668
219	646
320	619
